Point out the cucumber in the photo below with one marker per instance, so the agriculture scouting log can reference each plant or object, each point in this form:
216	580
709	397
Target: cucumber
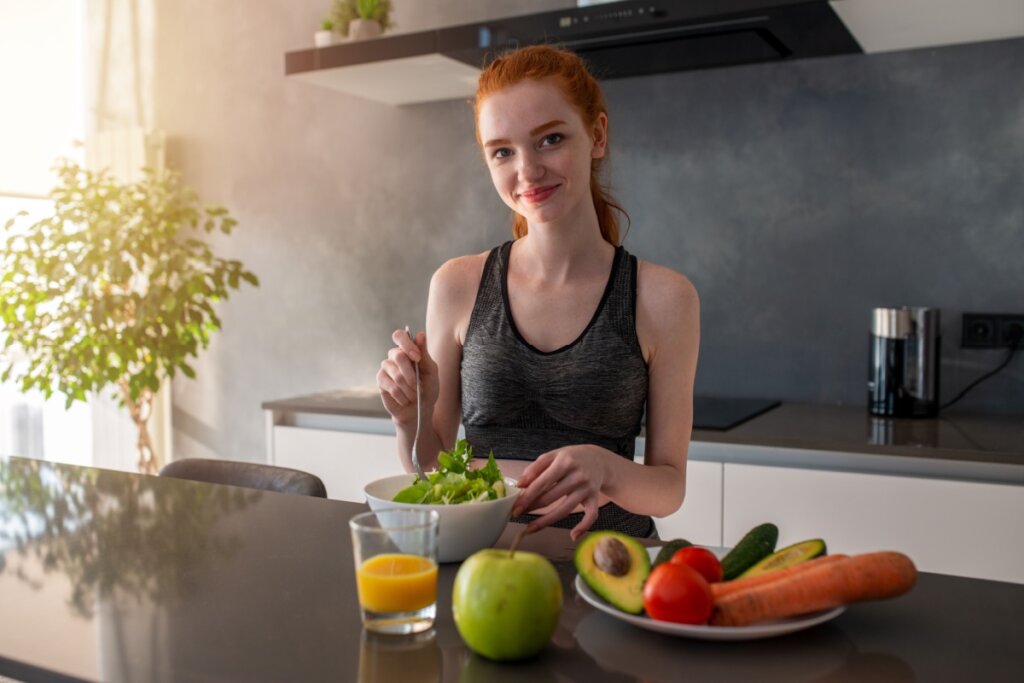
788	556
758	544
669	549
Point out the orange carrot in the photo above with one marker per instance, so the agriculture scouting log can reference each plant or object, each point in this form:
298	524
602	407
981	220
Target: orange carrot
872	576
722	588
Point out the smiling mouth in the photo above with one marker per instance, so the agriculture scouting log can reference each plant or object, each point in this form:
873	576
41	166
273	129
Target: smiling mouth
539	194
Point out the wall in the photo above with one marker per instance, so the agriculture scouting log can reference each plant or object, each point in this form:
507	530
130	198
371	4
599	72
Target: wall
796	197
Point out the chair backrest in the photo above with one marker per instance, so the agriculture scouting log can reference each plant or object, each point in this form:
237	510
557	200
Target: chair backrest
248	474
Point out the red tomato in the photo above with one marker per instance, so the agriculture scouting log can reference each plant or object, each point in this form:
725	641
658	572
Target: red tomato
676	592
701	559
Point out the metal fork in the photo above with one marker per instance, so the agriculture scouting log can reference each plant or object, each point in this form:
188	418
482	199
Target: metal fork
419	416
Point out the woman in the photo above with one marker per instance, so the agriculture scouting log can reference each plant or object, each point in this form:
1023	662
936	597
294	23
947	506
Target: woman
548	347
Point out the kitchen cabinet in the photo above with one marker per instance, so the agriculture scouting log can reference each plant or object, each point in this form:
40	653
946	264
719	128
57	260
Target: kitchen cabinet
699	520
947	492
345	461
963	528
635	39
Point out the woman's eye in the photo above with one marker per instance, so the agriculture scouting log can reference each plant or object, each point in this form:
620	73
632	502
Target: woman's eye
552	139
502	152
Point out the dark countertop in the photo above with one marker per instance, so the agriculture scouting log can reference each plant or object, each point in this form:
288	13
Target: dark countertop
167	580
957	437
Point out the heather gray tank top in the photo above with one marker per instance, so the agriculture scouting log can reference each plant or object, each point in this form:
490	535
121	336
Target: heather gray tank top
520	402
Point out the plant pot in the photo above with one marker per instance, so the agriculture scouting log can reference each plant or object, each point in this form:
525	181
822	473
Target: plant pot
360	29
323	38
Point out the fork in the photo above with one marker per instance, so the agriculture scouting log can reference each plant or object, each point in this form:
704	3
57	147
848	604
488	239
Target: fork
419	415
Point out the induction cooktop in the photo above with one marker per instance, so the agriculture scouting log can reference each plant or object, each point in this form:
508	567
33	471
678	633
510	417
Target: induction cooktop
725	412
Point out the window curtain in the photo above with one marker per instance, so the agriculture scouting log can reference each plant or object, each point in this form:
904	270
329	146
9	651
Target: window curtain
122	138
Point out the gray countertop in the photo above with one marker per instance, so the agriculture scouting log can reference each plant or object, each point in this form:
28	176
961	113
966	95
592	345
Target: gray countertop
953	437
157	579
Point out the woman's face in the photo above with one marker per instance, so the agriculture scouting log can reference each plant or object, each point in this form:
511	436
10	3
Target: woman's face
539	151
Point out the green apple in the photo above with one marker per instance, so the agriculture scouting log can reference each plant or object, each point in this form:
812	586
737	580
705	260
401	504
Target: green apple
506	605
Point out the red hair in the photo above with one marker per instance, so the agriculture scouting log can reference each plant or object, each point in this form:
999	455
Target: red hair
568	71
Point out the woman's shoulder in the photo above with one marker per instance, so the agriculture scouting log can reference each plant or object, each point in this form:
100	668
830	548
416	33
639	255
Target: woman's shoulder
461	271
456	282
658	285
667	309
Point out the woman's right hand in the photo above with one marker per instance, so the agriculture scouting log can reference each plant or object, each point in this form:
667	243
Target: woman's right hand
396	378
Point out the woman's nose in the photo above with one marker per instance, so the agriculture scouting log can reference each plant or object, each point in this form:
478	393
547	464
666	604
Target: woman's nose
530	167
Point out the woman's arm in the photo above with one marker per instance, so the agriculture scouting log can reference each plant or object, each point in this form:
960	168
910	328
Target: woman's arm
668	327
449	305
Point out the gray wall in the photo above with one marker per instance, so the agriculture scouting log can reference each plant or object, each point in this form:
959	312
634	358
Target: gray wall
796	197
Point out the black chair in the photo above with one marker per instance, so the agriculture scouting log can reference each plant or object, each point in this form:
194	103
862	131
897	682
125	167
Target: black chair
247	474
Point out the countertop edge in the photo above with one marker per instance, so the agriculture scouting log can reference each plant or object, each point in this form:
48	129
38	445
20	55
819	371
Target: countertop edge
757	441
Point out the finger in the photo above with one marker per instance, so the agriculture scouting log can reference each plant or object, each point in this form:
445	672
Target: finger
404	342
536	468
390	404
560	511
560	490
589	517
391	395
426	361
533	492
391	379
404	365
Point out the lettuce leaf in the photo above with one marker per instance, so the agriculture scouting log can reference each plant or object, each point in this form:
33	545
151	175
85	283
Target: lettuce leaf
455	481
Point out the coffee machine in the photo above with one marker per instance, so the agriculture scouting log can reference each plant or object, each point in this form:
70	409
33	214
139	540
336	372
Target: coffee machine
903	371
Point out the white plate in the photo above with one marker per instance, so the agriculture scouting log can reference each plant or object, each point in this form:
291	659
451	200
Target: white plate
763	630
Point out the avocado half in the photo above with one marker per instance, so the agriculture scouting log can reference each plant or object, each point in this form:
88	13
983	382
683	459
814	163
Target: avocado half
624	591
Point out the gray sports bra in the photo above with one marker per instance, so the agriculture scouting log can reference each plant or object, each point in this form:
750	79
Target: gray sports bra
520	402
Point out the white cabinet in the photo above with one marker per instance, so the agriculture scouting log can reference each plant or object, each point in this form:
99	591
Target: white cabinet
946	525
346	461
950	527
699	520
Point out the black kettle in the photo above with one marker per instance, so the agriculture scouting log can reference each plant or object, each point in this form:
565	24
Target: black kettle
903	370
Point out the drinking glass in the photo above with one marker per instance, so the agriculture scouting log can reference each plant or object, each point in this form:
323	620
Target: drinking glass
412	659
395	554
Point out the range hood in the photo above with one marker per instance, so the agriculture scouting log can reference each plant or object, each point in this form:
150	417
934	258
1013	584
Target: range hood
619	39
635	38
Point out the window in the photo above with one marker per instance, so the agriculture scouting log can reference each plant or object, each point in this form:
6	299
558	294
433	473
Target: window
41	77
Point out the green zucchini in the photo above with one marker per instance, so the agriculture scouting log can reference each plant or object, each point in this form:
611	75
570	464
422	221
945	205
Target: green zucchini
788	556
756	545
670	549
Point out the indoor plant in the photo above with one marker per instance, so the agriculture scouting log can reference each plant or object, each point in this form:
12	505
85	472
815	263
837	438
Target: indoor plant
361	18
115	289
325	36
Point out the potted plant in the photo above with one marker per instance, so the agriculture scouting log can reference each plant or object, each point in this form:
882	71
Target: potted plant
360	19
325	36
116	289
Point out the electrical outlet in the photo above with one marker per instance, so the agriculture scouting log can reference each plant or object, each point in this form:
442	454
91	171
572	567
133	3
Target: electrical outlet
991	330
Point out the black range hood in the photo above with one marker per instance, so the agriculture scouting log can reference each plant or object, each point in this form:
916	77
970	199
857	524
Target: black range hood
638	38
619	39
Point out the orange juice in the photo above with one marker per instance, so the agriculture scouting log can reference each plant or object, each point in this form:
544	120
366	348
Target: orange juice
392	583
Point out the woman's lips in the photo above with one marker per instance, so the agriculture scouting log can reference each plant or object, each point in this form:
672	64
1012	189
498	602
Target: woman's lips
537	195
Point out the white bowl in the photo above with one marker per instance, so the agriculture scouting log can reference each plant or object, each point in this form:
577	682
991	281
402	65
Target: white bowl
463	529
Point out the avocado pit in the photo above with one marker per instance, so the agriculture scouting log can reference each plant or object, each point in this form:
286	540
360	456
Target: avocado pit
611	556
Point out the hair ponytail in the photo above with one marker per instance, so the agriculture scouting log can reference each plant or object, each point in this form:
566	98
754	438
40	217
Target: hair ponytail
581	89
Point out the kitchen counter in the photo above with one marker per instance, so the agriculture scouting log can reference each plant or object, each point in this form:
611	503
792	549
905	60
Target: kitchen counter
155	579
955	445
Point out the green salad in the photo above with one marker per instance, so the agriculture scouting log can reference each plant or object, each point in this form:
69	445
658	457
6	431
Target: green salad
454	482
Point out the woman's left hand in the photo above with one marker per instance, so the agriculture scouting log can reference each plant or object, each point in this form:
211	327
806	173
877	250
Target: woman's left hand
563	478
